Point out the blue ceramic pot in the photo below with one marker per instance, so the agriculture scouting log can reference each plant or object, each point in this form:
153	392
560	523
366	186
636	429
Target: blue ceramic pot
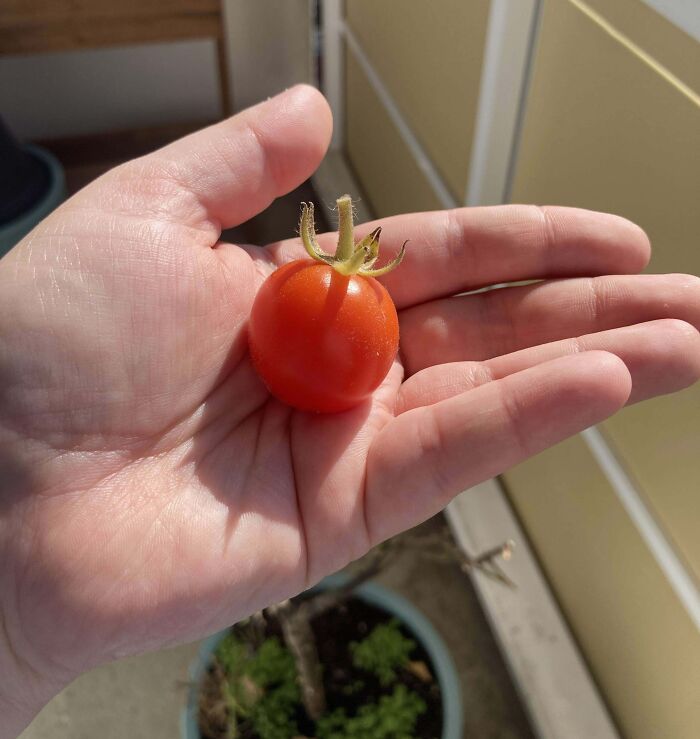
393	604
14	230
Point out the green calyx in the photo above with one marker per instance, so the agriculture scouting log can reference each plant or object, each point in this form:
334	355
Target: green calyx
349	258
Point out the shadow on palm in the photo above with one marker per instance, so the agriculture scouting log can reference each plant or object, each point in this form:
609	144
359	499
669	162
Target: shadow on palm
278	467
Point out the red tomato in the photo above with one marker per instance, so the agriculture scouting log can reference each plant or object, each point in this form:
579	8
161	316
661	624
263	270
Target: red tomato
320	340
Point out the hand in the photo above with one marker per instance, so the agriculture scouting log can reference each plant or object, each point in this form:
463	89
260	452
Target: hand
152	491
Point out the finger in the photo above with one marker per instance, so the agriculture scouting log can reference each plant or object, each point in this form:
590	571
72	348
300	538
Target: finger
459	250
661	356
424	457
235	169
495	322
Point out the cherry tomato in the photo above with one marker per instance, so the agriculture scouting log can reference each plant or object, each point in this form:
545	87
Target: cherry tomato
321	340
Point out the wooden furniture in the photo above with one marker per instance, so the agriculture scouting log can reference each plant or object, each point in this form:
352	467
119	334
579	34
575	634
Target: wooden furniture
37	26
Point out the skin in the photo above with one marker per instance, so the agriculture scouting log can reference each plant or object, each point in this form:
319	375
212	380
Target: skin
320	340
152	492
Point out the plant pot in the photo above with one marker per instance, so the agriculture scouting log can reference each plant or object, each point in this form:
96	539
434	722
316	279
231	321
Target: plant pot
381	598
31	186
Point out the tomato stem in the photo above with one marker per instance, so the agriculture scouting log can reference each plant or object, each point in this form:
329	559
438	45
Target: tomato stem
352	265
307	230
346	245
393	264
349	258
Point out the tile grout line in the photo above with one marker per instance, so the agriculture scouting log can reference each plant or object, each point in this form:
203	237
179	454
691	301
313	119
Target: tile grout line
654	538
420	156
633	48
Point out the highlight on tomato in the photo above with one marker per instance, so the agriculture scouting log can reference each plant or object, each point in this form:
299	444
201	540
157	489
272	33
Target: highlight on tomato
323	332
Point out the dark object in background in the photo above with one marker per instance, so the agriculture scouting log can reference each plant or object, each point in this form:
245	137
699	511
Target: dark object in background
24	179
31	186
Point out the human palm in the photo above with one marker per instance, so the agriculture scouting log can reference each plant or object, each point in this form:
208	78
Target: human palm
152	489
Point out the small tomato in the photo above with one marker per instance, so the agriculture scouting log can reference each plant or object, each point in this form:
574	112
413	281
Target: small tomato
324	332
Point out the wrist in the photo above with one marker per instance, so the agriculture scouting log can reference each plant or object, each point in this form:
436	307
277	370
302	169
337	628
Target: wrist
15	718
26	681
23	691
25	685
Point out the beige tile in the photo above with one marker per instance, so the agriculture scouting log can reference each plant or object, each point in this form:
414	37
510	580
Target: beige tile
642	647
659	443
604	129
429	57
384	166
668	44
607	128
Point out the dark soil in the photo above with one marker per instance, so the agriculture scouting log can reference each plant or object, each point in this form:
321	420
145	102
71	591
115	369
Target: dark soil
334	630
351	622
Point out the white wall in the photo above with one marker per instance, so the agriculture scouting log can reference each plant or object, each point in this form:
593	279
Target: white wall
80	92
269	45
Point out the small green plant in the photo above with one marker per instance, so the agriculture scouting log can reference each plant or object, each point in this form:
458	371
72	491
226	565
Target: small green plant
265	685
355	686
233	655
272	665
261	686
394	716
383	651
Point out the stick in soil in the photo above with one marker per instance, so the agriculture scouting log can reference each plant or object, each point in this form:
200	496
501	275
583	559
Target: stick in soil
299	638
295	616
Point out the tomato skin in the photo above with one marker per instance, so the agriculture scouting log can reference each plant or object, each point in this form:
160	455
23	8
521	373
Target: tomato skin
322	341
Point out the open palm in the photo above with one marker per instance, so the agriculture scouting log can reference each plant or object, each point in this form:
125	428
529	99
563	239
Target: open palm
153	491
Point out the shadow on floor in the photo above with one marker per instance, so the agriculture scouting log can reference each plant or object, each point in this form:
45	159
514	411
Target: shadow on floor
142	697
492	707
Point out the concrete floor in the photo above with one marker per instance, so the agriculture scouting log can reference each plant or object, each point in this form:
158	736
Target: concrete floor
492	709
135	698
142	697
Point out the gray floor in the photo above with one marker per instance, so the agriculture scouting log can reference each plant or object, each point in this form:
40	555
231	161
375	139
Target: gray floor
142	697
492	709
135	698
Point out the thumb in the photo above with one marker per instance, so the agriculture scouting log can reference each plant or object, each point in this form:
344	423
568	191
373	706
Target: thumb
237	167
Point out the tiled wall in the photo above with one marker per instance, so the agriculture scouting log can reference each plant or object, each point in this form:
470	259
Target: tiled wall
612	123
